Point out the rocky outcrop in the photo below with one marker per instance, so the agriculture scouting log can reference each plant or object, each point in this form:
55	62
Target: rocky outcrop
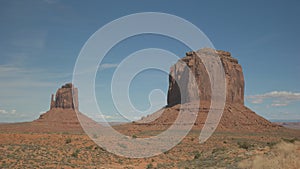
181	76
64	114
182	94
66	98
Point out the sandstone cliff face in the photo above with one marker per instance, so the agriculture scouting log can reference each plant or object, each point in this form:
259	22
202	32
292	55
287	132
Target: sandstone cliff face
180	76
66	98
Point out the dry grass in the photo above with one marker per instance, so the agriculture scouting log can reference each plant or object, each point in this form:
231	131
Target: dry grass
282	155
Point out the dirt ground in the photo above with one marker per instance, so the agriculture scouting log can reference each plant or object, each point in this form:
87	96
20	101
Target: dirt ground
225	149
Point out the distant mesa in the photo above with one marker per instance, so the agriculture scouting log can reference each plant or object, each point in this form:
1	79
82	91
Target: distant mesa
291	125
62	108
62	114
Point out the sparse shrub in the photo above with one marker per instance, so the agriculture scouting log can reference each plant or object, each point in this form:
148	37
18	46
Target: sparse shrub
219	149
165	165
149	166
134	136
244	145
291	140
95	136
68	140
75	153
10	148
271	144
197	155
120	161
90	147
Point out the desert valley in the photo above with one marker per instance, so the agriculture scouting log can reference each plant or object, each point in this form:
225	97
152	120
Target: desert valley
242	138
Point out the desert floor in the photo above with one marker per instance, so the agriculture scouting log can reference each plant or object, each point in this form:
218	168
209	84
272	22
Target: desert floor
227	149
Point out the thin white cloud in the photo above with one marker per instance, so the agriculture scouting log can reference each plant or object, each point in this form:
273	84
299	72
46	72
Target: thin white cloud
5	112
279	98
9	70
279	104
102	116
257	101
42	112
15	116
281	94
13	76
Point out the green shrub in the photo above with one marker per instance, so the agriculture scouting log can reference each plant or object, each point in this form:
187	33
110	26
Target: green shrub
95	136
218	149
75	153
271	144
68	140
244	145
291	140
197	155
149	166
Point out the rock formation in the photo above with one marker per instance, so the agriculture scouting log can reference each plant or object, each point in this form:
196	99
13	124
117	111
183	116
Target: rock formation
179	76
236	116
64	113
66	98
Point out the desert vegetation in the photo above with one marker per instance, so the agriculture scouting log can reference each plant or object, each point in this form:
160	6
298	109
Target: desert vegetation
222	150
285	154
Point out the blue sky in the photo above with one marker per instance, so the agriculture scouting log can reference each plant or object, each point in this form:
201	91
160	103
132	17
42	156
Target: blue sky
40	41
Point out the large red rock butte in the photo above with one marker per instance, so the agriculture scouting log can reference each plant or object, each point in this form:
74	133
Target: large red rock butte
236	116
179	76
